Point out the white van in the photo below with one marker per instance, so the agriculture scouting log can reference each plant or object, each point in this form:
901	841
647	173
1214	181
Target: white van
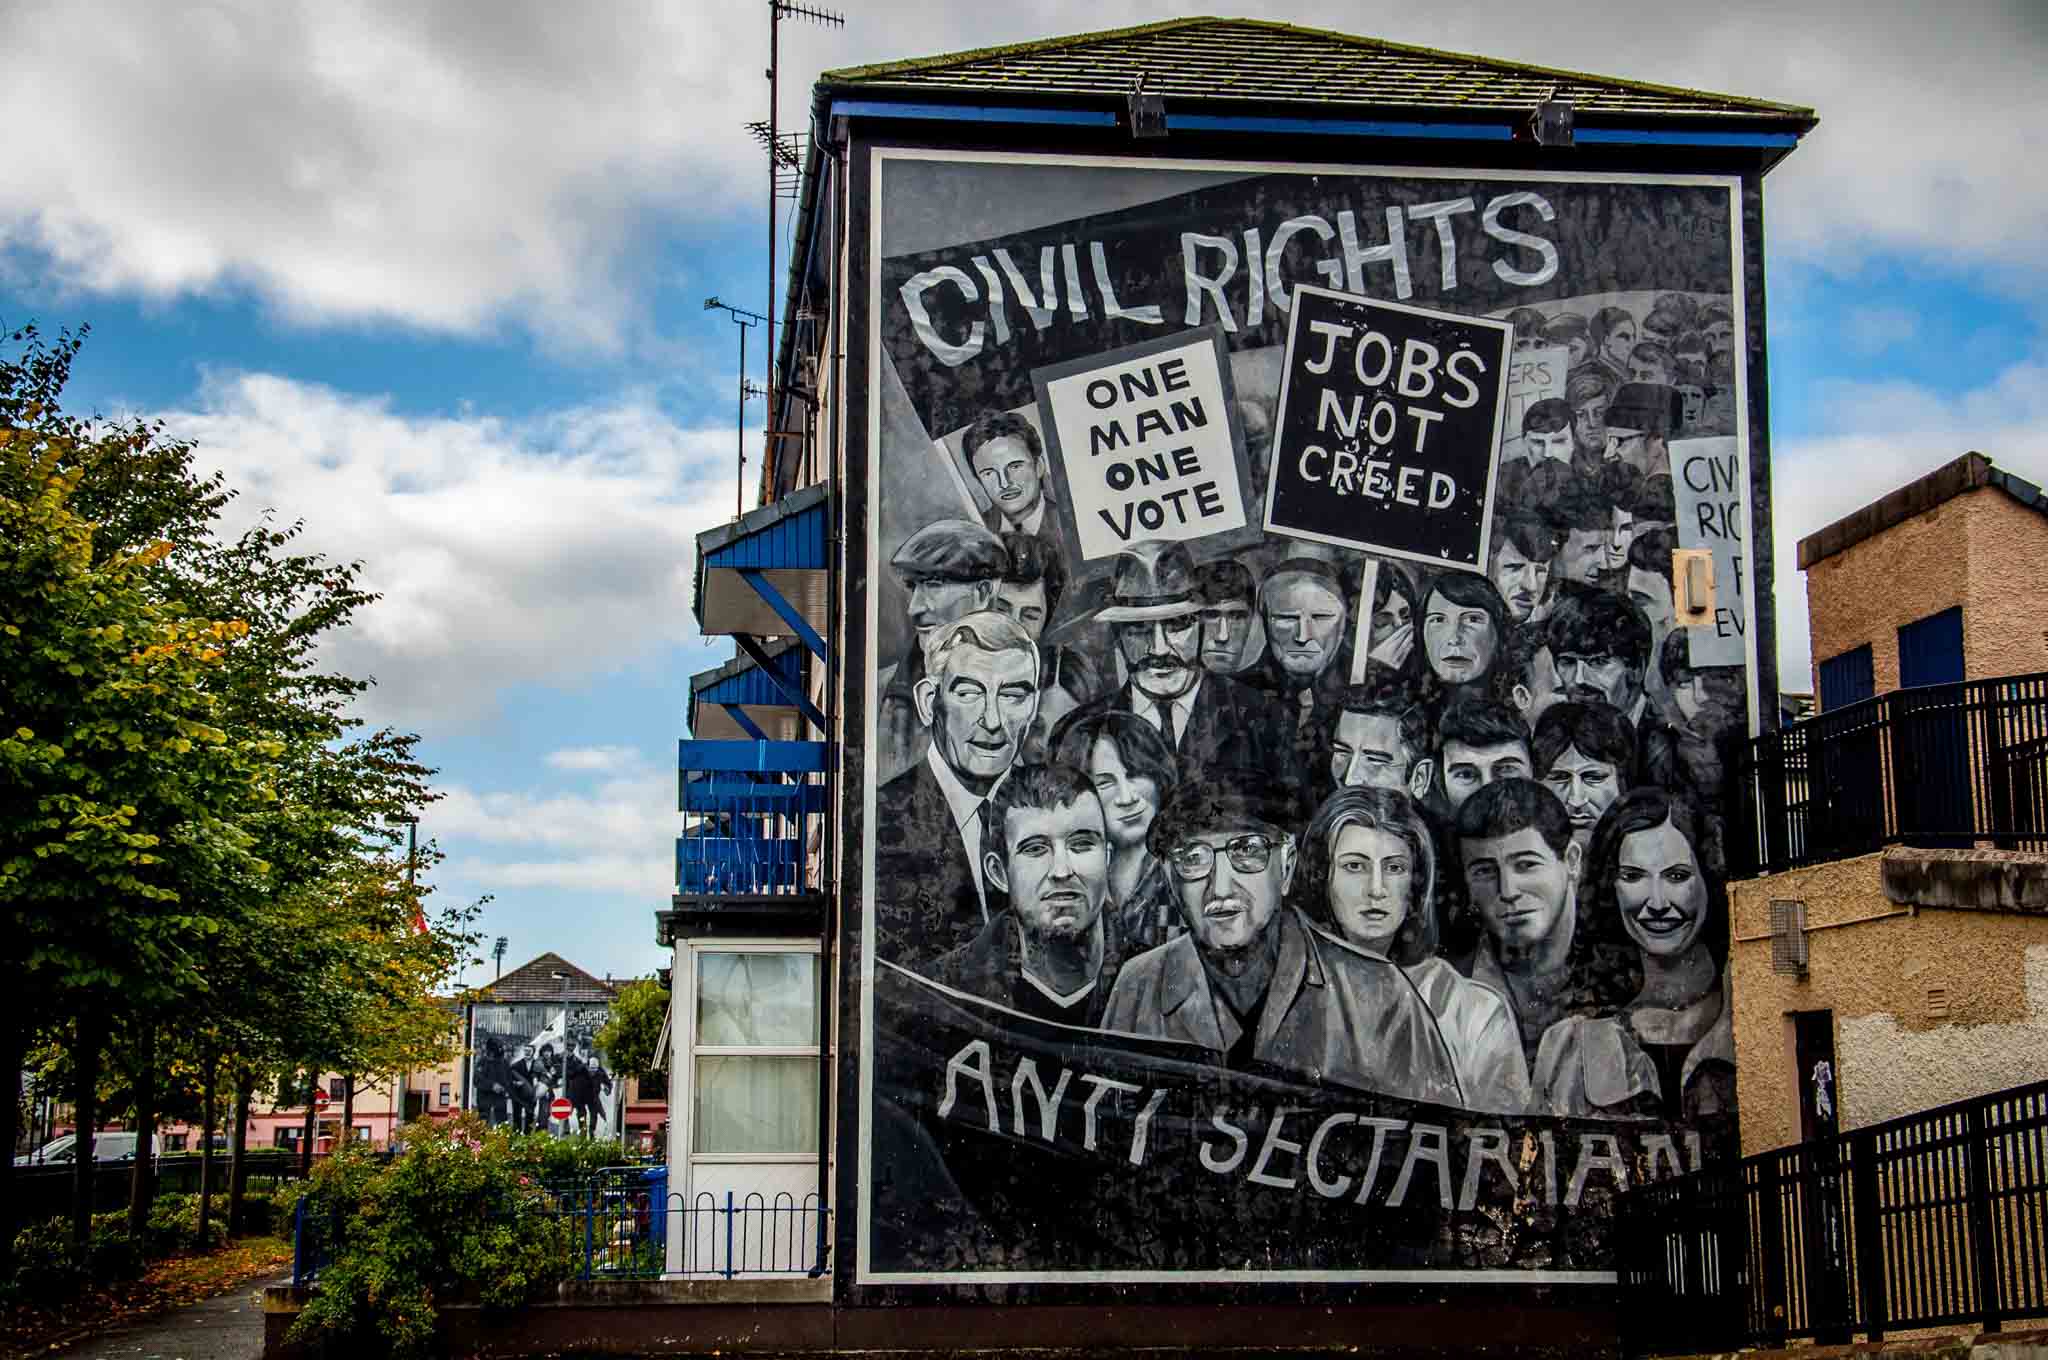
111	1146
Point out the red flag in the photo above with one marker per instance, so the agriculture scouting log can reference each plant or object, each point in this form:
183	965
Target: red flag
419	920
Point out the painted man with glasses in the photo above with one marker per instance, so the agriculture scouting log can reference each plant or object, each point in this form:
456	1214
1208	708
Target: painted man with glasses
1252	980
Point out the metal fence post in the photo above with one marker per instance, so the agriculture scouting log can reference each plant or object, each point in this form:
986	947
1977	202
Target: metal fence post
728	1235
1869	1231
299	1242
1984	1258
589	1226
1771	1244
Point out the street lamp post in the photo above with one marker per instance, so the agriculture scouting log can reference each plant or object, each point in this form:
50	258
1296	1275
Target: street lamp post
412	859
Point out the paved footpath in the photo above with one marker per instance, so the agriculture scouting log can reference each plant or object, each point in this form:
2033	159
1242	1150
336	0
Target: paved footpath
225	1327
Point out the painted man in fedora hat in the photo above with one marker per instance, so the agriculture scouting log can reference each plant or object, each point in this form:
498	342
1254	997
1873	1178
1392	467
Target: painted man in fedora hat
1154	611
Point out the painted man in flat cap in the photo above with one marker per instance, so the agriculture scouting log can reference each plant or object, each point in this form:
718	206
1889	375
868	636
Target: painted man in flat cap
951	568
1154	611
1251	979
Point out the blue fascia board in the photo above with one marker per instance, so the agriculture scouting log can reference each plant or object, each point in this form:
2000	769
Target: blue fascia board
1326	127
791	540
970	113
1762	141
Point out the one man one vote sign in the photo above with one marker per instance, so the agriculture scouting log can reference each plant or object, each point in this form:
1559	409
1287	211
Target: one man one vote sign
1147	442
1388	422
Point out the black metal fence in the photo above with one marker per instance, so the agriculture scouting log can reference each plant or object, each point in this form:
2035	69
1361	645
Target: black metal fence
45	1191
1934	765
1936	1219
623	1221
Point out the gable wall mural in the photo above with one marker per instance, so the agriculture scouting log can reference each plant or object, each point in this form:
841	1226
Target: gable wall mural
1295	820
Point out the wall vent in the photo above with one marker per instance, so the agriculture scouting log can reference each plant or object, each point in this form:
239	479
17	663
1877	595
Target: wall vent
1937	1003
1788	938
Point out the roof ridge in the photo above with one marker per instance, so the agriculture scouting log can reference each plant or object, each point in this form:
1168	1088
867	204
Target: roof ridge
880	73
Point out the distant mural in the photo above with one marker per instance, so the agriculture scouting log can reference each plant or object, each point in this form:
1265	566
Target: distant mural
527	1055
1296	813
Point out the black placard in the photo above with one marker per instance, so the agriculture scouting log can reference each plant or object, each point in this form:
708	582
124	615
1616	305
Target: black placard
1388	423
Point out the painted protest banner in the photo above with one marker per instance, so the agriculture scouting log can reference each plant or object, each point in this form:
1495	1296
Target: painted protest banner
1389	418
1146	442
1709	485
1181	1164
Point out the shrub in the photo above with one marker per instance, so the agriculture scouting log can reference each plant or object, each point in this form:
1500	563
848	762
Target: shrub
562	1161
45	1266
456	1217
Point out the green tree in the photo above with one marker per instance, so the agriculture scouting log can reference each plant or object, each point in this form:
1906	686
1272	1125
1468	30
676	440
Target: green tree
118	786
632	1031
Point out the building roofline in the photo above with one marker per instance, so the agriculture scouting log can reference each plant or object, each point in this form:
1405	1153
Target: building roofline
868	77
1968	473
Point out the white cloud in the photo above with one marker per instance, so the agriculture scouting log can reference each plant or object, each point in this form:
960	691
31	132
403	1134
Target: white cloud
592	758
1889	434
541	552
452	167
616	837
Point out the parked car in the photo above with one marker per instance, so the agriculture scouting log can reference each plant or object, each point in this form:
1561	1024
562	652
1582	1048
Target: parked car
111	1146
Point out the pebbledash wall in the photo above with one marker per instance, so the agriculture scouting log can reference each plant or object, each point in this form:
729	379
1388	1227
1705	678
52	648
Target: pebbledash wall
1075	292
1932	999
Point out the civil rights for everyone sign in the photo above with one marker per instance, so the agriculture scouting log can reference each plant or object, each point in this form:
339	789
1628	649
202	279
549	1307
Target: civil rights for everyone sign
1389	418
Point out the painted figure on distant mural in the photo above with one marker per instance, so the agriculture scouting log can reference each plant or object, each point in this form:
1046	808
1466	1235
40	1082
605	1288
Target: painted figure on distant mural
529	1054
1435	821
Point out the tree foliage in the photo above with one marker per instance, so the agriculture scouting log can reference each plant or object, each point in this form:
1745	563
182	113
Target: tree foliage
632	1033
200	845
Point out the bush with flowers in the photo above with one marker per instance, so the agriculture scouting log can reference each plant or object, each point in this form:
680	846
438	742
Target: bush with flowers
459	1216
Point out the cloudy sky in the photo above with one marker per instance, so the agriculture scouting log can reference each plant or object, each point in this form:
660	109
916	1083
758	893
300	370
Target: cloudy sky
430	277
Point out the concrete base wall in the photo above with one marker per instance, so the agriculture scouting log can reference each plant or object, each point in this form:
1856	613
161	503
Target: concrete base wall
1458	1323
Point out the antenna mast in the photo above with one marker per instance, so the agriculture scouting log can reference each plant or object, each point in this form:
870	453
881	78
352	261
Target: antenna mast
785	160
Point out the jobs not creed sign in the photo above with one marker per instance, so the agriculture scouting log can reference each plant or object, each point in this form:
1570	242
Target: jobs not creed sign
1389	419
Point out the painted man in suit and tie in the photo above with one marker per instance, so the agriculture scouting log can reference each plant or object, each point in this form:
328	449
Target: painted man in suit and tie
1154	611
1251	979
977	698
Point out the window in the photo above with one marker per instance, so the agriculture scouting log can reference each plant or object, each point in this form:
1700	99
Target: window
287	1137
1931	650
175	1142
756	1053
445	1089
1846	679
337	1089
361	1132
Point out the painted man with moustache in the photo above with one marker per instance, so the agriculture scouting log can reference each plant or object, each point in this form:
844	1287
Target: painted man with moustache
1251	980
1154	611
1053	954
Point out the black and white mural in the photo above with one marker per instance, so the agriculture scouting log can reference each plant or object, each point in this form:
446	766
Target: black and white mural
1295	814
527	1055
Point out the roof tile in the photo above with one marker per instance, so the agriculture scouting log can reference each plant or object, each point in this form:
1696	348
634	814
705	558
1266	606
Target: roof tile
1212	58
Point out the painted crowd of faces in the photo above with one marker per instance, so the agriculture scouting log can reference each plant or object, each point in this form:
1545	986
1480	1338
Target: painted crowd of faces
528	1055
1567	934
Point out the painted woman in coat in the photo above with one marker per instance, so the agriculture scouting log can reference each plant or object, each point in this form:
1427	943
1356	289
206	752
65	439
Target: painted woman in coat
1669	1053
1371	881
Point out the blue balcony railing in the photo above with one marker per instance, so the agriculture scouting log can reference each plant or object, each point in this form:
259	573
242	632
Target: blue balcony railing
751	811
